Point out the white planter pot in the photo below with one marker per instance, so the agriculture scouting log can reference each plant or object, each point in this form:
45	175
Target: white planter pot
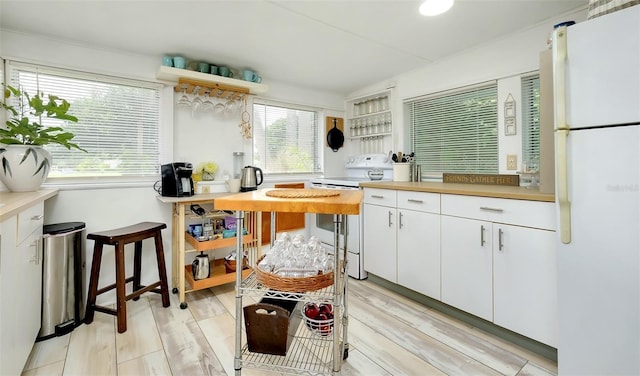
24	167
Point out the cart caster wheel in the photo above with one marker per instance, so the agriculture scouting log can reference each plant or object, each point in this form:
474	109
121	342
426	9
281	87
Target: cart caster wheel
183	305
345	354
174	290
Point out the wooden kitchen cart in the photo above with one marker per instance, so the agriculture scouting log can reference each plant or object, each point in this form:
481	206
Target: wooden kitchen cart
180	238
307	353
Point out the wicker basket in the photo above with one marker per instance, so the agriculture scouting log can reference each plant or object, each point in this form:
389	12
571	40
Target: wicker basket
230	265
293	284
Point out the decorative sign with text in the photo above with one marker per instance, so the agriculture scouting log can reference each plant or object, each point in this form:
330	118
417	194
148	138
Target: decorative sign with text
511	180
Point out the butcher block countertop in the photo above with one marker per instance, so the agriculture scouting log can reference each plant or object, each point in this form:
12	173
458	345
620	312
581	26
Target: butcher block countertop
496	191
347	202
12	203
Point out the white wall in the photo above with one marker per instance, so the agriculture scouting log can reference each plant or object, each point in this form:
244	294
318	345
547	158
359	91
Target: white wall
504	59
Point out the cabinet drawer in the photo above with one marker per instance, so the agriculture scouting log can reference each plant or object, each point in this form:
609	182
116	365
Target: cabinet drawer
420	201
30	220
383	197
517	212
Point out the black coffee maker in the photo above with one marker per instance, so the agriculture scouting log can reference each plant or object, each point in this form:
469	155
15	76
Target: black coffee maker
176	179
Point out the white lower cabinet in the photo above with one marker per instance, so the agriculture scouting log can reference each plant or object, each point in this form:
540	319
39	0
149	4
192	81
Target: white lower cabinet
494	258
418	242
402	238
499	262
525	283
21	287
467	273
380	256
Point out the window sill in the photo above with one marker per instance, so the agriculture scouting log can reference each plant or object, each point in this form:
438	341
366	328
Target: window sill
99	183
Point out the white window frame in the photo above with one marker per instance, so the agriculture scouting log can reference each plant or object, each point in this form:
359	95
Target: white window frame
165	127
319	162
530	118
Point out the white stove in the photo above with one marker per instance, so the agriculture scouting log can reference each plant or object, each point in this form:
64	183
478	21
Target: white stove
357	169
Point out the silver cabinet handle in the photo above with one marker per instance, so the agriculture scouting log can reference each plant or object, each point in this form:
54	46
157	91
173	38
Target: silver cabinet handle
500	245
495	210
482	241
400	220
376	196
37	217
39	250
35	256
390	214
415	201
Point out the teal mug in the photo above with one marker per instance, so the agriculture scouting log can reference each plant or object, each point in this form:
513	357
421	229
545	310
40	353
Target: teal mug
179	62
248	75
167	61
225	71
214	69
251	76
203	67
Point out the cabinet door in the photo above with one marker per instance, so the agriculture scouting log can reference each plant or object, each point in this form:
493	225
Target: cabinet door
467	265
380	241
28	306
419	252
525	287
8	278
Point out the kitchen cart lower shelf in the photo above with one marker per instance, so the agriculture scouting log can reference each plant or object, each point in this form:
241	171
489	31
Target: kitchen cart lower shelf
308	354
219	276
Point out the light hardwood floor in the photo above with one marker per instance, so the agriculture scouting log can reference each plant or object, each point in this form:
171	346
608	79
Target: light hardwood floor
388	335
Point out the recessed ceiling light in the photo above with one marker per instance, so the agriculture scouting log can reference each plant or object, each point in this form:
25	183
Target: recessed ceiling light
435	7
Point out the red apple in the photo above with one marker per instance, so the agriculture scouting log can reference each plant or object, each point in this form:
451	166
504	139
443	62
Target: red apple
326	308
311	310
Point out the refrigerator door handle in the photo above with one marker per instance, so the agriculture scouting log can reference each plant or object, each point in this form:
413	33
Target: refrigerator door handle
562	131
564	205
559	74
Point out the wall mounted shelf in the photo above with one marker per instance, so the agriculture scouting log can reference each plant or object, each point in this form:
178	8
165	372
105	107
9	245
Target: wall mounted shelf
207	83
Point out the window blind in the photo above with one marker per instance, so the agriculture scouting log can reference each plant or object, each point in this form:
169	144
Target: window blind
456	131
530	118
285	139
118	122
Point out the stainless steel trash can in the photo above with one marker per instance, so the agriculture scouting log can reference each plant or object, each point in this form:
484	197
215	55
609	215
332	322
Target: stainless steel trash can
63	278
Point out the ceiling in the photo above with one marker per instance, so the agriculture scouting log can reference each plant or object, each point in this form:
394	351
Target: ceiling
337	46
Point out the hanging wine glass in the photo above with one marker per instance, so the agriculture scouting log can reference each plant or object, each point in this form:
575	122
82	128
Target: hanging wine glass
207	105
219	109
230	107
184	99
196	102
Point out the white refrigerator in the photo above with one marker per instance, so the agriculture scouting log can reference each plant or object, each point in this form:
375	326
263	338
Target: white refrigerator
597	135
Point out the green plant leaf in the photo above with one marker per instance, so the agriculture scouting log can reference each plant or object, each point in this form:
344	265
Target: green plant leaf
21	130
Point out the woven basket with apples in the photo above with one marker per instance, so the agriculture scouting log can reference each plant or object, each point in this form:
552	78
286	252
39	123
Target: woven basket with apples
318	316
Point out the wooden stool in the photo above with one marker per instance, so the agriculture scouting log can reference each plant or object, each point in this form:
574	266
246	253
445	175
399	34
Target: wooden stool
118	238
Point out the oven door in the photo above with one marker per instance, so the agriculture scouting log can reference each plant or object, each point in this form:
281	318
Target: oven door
322	226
